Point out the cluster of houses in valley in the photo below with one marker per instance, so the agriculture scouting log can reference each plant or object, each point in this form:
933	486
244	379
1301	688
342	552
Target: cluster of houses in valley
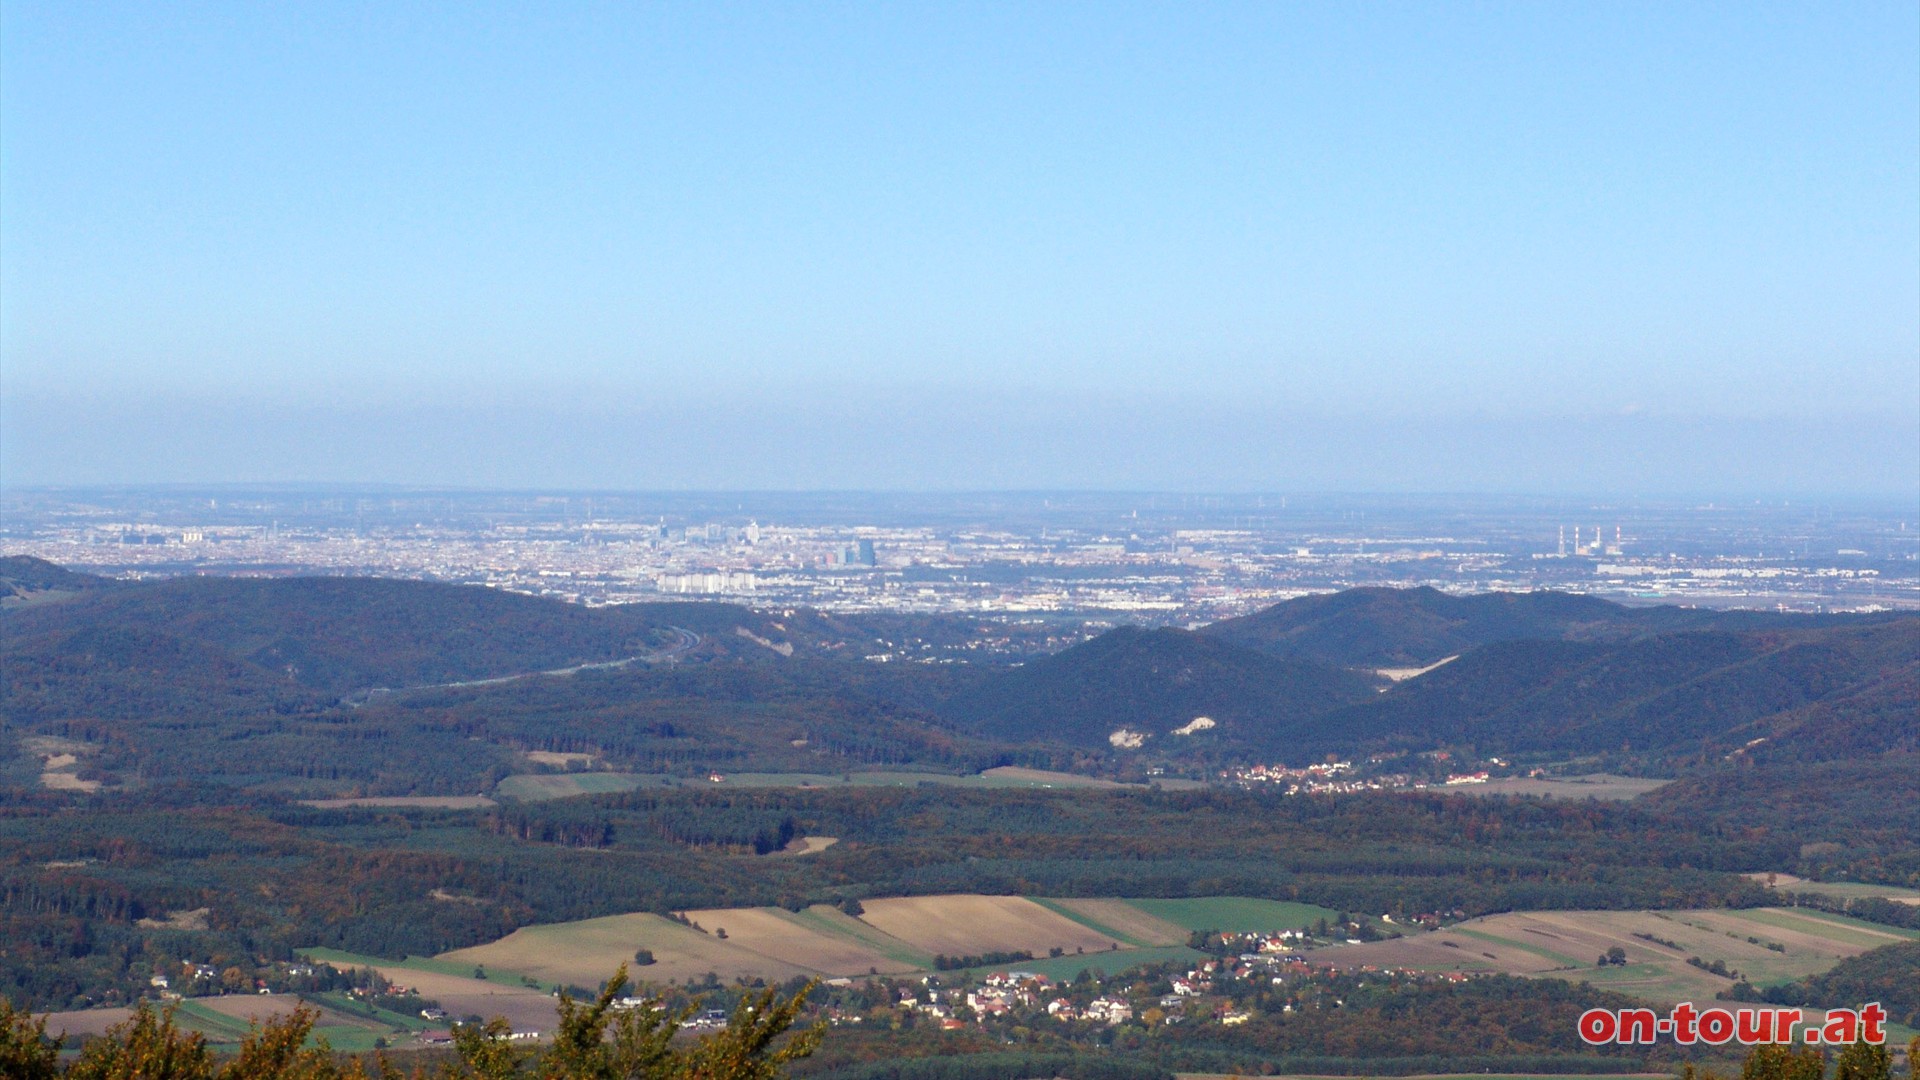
190	978
1003	994
1331	778
1340	777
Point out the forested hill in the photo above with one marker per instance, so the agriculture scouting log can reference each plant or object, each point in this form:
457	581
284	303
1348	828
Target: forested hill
252	682
1818	688
1826	691
1151	682
263	663
1386	627
341	634
24	579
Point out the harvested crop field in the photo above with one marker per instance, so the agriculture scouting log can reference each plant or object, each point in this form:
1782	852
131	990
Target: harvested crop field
86	1021
1122	920
1764	945
251	1007
891	936
439	802
971	925
820	940
585	953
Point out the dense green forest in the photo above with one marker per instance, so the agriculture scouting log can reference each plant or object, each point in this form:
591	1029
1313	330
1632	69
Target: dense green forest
1854	820
1383	627
1889	975
335	686
1151	682
1682	693
274	877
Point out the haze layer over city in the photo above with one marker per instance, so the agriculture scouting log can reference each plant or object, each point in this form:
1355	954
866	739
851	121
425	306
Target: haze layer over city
1154	558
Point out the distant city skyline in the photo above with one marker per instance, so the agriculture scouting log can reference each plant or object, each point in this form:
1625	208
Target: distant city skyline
1155	557
1625	248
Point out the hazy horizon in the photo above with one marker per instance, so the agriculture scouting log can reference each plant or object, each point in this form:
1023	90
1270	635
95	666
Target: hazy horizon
1147	447
1631	249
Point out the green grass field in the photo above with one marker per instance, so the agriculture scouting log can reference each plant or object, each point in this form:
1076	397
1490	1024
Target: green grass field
1234	914
1843	890
1840	928
536	787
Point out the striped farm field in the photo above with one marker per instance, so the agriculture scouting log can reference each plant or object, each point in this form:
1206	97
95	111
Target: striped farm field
818	940
967	924
1120	920
1764	945
890	936
452	984
585	953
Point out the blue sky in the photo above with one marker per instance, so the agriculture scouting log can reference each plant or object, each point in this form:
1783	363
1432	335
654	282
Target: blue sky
1632	247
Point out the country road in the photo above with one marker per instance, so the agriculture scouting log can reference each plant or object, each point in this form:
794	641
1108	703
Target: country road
688	640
